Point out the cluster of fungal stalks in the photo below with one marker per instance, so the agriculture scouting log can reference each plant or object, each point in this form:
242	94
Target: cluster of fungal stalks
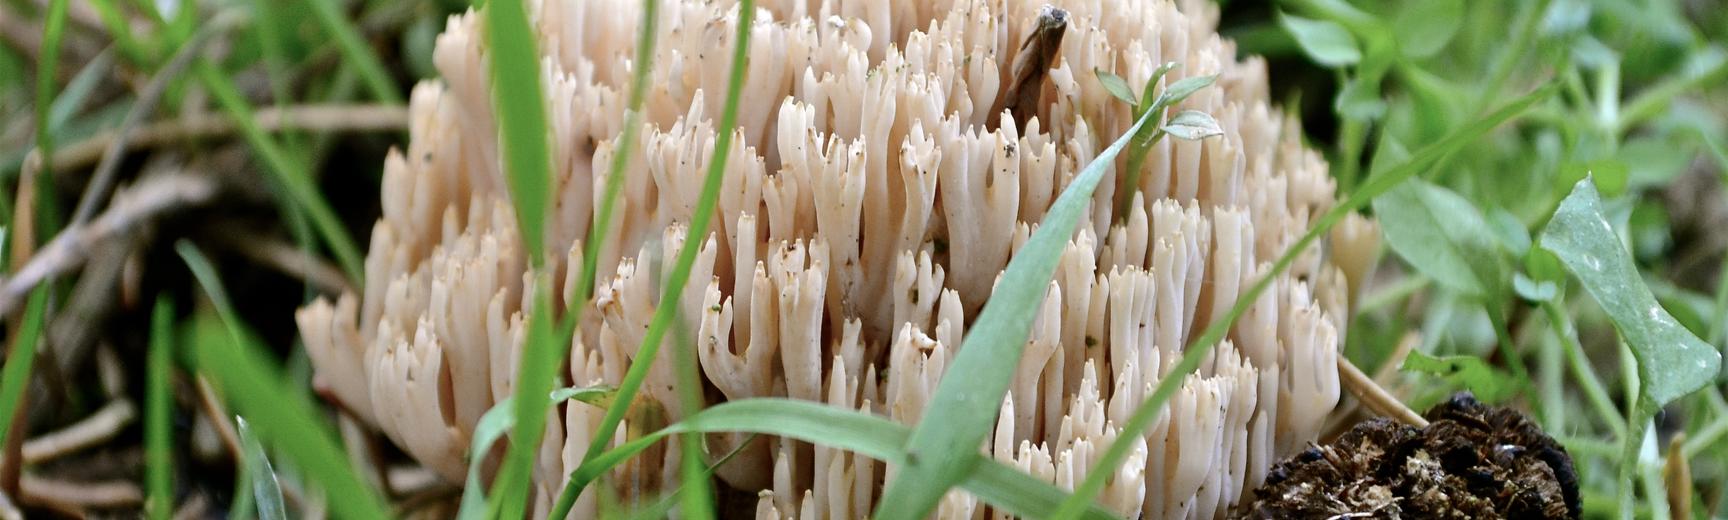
882	181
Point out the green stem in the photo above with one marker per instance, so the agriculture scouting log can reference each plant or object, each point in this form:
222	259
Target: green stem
356	51
158	406
47	66
680	274
695	492
1651	102
1705	437
1594	391
288	173
1399	290
1608	96
602	224
1504	63
1503	335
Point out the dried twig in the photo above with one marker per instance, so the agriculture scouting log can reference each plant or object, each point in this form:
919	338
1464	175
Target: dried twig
1677	474
103	180
288	259
1345	416
195	507
22	233
1374	397
93	430
63	495
219	418
314	118
9	510
70	249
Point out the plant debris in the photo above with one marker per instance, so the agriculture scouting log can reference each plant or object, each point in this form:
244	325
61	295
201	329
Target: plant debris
1471	461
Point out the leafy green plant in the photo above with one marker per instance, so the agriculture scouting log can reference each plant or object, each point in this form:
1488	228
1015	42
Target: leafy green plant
1671	362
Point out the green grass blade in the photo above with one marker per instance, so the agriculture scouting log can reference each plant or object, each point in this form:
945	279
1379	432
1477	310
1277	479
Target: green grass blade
943	452
602	224
621	153
266	490
872	436
158	404
663	507
497	421
284	418
357	52
15	377
546	344
121	30
288	173
71	99
1197	349
47	68
675	280
521	112
47	65
696	492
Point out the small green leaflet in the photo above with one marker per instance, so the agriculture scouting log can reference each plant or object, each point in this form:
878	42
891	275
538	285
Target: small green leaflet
1116	86
1425	27
499	420
1671	361
1443	236
1183	88
1192	125
1326	42
1468	371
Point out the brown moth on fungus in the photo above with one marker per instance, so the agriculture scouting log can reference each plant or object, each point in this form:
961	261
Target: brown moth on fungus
882	183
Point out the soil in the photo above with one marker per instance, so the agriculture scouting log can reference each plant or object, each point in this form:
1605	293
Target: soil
1471	461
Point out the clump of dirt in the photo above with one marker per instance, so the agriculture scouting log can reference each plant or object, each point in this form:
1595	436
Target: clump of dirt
1471	461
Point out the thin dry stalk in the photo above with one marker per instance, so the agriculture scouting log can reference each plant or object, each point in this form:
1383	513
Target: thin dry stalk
9	510
99	427
70	249
103	180
287	259
1375	397
23	229
64	495
311	118
1677	474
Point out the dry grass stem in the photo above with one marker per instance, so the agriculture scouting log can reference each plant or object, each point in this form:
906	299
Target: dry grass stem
70	249
1373	396
96	429
312	118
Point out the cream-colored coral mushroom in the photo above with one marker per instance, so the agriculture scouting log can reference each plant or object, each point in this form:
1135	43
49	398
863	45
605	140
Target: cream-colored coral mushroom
882	183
